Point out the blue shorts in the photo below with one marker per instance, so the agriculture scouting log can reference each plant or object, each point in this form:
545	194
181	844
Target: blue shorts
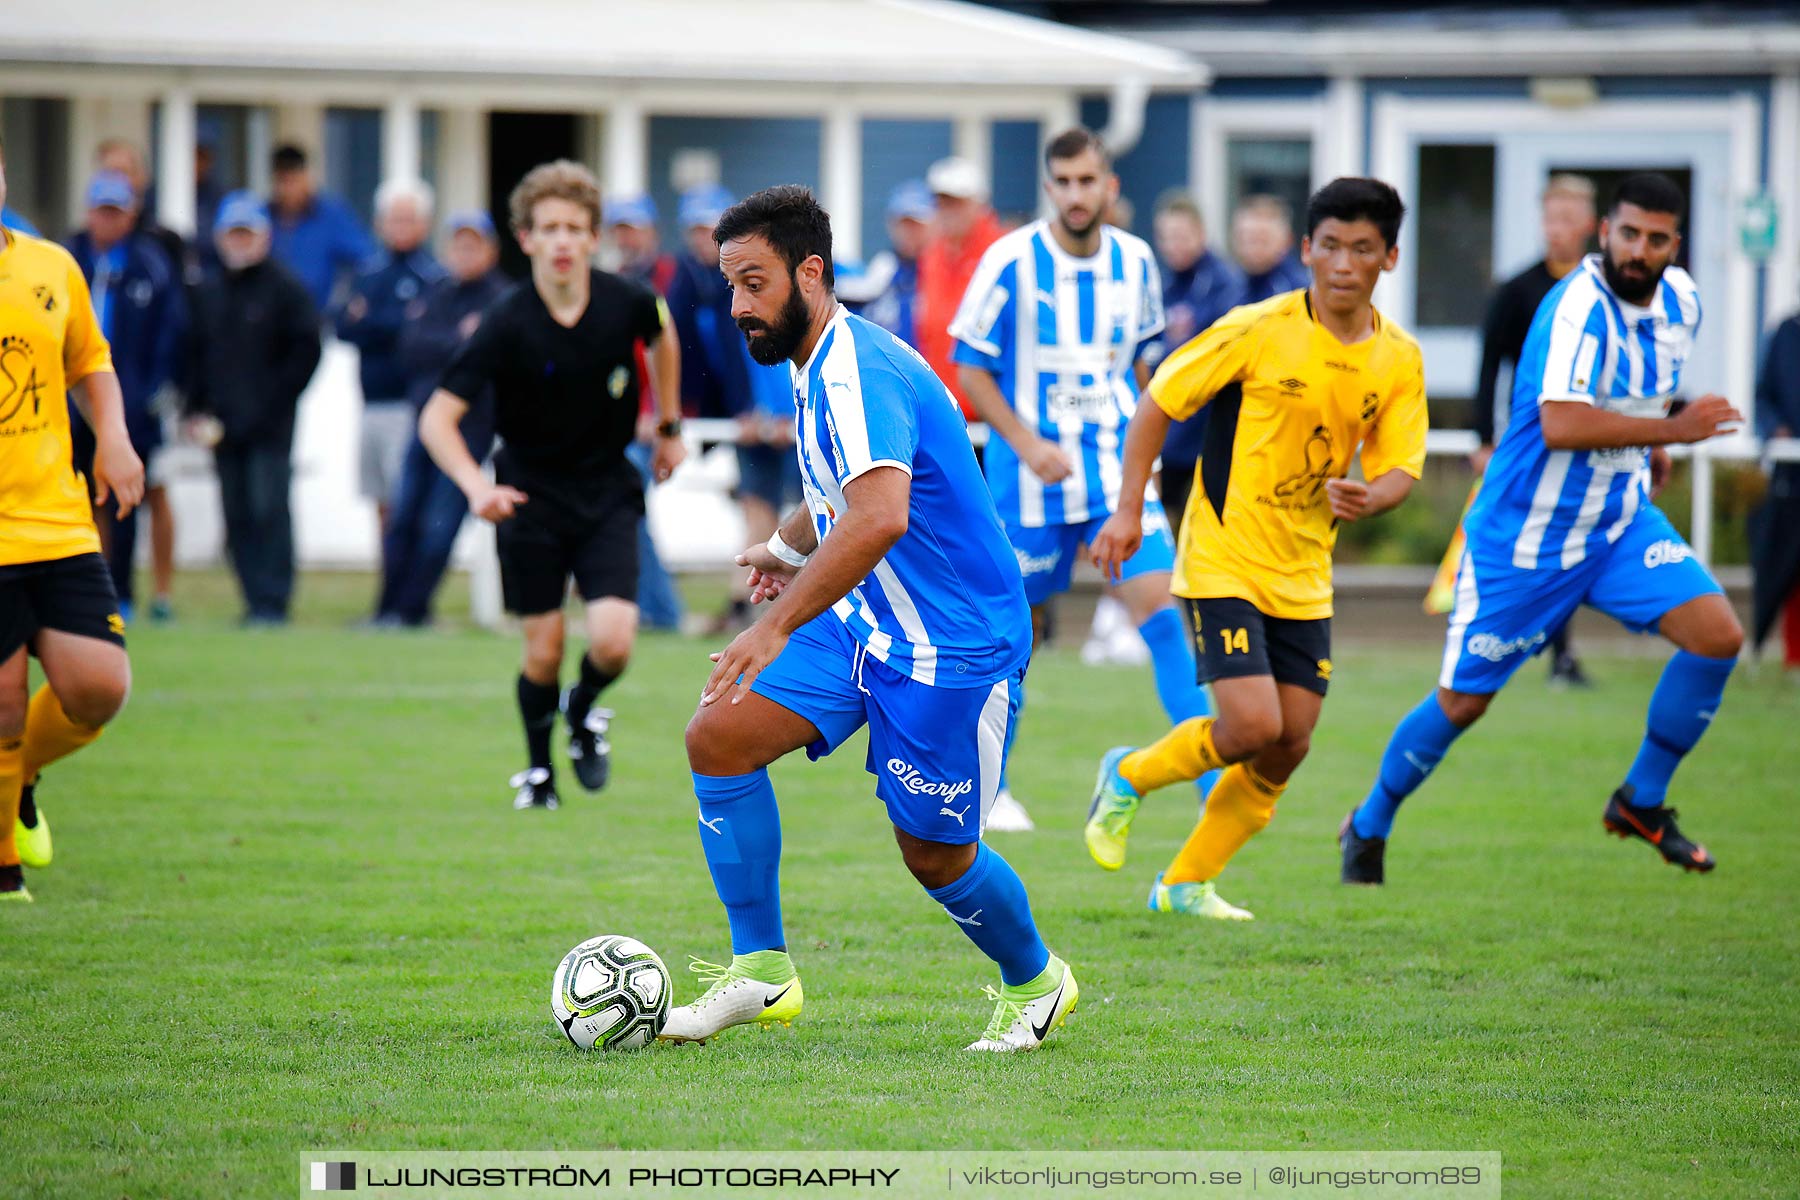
936	752
770	473
1505	615
1047	554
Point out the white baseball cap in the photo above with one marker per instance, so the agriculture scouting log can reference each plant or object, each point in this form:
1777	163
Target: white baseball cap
957	177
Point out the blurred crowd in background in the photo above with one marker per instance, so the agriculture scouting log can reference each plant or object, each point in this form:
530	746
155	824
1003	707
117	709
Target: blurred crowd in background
216	339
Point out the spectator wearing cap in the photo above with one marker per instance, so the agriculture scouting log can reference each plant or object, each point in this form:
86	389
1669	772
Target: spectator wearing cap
138	298
887	293
314	235
964	227
632	222
256	343
1262	241
714	379
374	312
428	508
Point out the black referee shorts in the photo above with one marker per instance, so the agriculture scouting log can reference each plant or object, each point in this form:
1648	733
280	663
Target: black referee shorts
71	595
1233	639
543	545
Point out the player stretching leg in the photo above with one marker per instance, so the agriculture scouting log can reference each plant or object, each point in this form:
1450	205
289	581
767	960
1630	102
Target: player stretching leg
1321	373
1564	518
1049	342
56	595
561	358
896	603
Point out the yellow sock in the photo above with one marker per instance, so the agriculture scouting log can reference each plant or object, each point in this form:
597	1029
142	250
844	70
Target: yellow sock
1183	754
49	733
12	775
1240	805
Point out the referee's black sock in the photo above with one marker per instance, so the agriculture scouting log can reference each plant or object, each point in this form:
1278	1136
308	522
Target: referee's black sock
537	708
594	680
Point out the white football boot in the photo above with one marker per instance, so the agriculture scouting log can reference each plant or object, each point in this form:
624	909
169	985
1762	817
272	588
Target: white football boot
1007	815
733	998
1024	1016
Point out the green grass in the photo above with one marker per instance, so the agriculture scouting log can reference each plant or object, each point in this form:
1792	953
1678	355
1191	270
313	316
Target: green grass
292	908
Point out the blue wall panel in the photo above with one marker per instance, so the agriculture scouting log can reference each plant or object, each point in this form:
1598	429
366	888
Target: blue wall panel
754	153
894	152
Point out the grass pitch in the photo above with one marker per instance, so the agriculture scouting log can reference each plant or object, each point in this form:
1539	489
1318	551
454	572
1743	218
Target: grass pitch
292	908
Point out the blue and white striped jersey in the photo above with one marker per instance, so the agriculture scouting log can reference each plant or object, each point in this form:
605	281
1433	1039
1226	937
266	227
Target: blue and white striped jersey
1544	508
1060	335
946	606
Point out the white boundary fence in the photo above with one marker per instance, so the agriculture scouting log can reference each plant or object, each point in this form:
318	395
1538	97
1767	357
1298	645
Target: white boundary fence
484	567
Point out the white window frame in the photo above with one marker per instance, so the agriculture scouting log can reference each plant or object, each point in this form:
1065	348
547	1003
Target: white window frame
1399	123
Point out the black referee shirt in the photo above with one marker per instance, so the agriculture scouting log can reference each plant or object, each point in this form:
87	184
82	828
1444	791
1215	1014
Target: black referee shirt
1509	318
565	399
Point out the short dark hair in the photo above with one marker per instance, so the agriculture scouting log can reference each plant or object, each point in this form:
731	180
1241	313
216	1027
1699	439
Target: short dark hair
288	157
789	218
1651	191
1354	198
1071	143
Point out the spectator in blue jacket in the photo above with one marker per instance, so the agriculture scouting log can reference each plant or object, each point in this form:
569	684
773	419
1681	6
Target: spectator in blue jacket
314	235
1262	241
372	319
428	508
138	297
1199	287
714	378
889	286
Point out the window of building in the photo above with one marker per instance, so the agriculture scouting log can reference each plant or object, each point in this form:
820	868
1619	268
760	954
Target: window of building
352	167
1454	211
1269	166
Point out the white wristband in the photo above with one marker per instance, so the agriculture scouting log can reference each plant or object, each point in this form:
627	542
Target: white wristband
786	553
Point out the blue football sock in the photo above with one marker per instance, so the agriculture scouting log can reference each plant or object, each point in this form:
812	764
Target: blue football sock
1418	745
740	831
1172	660
990	905
1686	697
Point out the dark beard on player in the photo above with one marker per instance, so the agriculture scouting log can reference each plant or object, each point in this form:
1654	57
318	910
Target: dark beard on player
1078	234
1633	289
778	341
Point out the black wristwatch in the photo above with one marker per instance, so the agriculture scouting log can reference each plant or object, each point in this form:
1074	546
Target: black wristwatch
669	429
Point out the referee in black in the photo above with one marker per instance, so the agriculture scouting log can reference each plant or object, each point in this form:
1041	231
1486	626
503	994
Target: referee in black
561	356
1569	222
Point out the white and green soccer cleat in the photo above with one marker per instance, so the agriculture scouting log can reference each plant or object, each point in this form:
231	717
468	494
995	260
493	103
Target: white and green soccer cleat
1194	900
756	989
1110	815
1025	1015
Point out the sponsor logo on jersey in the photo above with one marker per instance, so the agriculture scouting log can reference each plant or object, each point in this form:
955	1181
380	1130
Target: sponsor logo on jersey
1303	488
1494	649
1666	553
1035	564
916	783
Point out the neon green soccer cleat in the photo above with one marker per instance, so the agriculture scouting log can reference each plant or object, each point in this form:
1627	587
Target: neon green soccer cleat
1110	815
748	992
33	840
12	885
1025	1015
1194	900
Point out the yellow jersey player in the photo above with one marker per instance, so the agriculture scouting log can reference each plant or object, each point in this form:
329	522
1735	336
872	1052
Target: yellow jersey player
56	596
1299	383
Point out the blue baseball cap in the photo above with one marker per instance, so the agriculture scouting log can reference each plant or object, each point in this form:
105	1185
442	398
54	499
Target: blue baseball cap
912	200
704	205
476	220
242	209
637	211
110	189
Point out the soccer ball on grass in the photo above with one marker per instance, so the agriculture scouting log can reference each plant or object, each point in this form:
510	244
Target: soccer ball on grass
611	993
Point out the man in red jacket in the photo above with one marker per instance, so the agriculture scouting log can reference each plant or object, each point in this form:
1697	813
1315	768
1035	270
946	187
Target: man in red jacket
965	228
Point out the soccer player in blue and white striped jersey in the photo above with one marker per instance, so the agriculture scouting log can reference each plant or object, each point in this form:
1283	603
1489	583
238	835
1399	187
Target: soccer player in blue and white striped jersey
1050	343
896	604
1565	518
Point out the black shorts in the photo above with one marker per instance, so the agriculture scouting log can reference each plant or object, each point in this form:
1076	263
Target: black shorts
1233	638
544	543
71	595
